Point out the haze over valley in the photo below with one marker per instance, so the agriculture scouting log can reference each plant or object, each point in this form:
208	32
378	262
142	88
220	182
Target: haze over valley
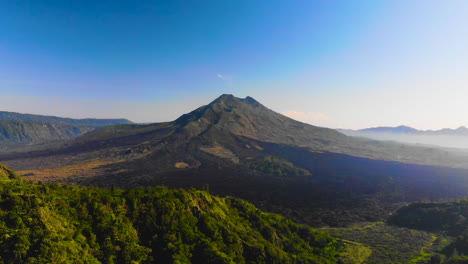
449	138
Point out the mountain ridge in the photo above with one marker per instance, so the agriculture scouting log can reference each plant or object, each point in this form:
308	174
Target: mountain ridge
19	129
462	130
33	118
19	132
449	138
54	223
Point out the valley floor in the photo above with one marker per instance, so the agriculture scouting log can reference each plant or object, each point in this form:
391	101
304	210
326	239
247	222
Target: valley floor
389	244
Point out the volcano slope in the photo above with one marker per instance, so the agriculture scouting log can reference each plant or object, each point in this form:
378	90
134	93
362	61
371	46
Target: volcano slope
238	147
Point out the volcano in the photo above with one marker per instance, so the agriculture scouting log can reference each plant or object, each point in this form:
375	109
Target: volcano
236	146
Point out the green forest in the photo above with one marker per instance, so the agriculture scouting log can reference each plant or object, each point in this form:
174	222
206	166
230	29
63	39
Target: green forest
55	223
276	166
449	218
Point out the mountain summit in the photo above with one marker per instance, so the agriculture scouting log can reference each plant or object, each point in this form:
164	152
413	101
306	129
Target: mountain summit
247	117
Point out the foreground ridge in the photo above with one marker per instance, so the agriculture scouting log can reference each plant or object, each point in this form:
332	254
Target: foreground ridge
54	223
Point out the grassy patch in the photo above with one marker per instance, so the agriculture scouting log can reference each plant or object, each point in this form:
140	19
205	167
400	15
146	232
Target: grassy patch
355	253
388	244
221	152
181	165
86	169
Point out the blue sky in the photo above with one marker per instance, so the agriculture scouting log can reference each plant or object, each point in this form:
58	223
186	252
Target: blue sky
348	64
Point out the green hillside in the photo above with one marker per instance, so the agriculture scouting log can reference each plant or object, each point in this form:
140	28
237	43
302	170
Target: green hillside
6	174
447	218
53	223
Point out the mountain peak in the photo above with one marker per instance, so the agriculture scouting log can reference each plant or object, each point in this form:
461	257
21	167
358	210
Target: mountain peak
225	98
406	129
231	100
212	111
399	130
248	118
251	101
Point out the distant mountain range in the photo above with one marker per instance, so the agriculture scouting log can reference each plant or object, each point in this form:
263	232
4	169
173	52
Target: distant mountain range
236	146
16	128
461	131
452	138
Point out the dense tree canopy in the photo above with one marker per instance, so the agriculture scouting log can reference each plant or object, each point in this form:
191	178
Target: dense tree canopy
54	223
449	218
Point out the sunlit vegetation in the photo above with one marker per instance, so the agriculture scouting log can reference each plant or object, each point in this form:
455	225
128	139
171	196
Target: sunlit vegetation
355	253
389	244
221	152
79	170
276	166
448	218
54	223
181	165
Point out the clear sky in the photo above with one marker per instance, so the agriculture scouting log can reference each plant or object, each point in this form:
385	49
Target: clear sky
340	64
